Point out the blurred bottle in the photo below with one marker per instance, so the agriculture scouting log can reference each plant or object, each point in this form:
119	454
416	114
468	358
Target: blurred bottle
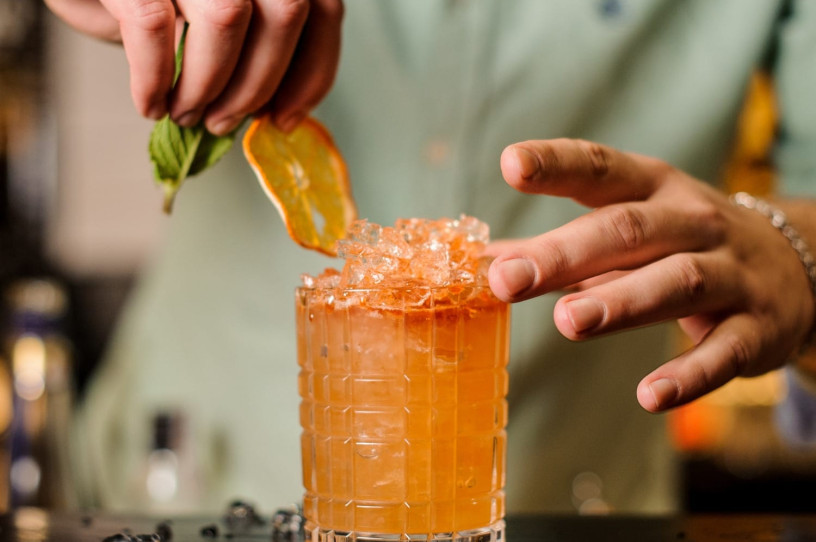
26	146
37	396
169	482
36	374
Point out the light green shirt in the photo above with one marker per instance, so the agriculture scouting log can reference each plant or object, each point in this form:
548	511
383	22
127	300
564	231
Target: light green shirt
428	94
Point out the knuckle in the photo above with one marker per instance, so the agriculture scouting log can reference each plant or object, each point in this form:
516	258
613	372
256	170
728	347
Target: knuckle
708	218
660	168
739	355
703	376
549	160
151	15
554	261
711	218
228	13
598	156
628	226
292	13
704	209
691	278
700	383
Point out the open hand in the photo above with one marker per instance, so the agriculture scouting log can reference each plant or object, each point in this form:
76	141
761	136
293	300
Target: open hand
659	245
240	55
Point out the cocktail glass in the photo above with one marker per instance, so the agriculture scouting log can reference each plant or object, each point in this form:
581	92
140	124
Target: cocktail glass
403	412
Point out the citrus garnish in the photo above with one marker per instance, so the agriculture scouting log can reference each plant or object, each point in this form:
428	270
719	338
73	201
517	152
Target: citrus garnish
306	178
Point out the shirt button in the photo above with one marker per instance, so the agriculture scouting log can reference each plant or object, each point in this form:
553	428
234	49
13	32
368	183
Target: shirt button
437	152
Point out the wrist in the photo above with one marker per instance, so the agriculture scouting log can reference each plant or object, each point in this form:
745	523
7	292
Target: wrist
780	218
801	212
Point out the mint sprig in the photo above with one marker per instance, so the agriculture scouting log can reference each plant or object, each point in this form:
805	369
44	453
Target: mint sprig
178	152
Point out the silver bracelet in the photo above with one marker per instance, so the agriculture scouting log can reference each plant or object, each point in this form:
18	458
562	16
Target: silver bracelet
780	221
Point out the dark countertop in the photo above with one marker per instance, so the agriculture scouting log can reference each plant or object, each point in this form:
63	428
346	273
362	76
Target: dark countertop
32	525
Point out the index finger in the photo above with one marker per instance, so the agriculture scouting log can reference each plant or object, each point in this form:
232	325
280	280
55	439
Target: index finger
211	51
617	237
148	32
588	172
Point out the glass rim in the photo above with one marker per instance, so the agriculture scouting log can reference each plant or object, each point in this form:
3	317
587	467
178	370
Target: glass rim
307	289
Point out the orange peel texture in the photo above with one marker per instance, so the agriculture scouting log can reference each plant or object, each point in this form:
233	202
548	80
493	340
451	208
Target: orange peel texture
304	175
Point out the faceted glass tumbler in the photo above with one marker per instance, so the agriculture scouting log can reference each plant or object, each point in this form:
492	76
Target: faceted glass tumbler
403	410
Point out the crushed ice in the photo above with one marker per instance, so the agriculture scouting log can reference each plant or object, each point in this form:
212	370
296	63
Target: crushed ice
413	252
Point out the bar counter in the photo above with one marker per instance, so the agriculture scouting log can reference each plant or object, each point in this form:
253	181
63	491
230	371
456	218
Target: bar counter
34	525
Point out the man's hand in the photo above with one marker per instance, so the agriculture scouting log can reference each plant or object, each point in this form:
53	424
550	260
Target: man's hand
658	246
240	55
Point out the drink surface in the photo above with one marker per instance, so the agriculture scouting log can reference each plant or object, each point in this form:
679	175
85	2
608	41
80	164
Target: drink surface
403	408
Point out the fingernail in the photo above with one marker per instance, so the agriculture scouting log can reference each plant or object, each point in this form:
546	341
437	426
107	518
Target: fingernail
156	111
664	392
585	313
224	126
527	163
518	275
188	119
289	122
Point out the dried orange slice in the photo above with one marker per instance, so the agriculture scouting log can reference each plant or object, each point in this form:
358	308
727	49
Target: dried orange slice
306	178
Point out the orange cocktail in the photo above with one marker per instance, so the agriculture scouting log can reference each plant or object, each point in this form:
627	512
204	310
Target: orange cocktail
403	406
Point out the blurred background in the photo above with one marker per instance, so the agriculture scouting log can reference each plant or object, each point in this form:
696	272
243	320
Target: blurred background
80	215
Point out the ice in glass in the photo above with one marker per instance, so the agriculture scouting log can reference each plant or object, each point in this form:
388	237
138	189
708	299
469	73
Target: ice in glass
403	380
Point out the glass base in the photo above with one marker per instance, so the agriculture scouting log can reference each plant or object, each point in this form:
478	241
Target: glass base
491	533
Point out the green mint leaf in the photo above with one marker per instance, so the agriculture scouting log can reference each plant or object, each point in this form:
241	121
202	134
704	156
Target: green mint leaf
172	149
178	152
210	149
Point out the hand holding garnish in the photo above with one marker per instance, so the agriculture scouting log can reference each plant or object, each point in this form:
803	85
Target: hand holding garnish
302	172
